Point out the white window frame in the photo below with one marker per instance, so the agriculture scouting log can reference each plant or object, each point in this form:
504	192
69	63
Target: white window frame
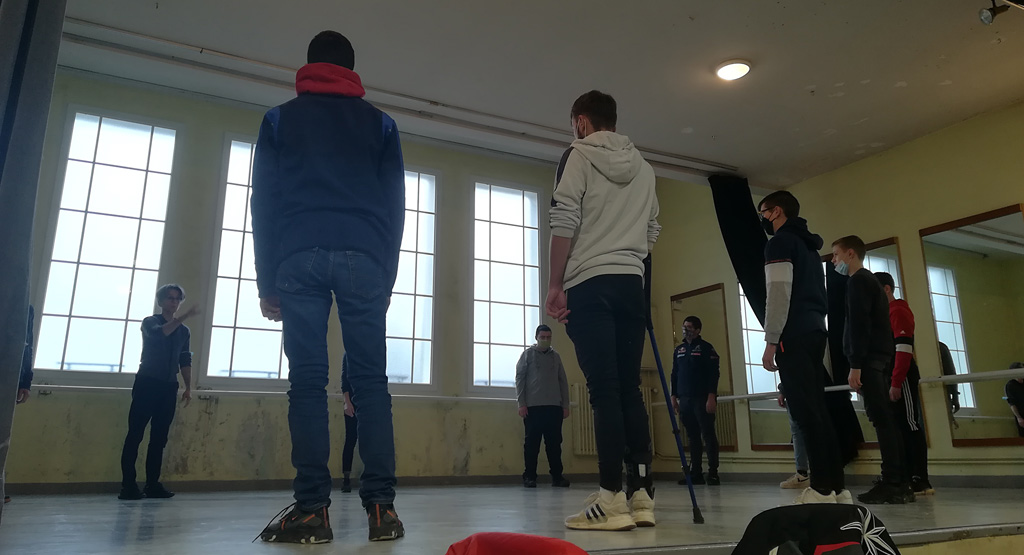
47	376
544	237
966	388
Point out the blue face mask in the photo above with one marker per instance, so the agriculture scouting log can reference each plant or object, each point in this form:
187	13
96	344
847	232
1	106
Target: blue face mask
843	268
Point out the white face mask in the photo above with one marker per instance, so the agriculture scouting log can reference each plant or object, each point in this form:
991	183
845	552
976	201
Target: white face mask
843	268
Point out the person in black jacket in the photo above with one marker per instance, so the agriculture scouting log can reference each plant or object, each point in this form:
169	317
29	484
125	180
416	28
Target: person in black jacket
695	397
869	346
795	339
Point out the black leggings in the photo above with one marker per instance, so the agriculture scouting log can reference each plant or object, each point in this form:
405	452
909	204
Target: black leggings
350	443
151	400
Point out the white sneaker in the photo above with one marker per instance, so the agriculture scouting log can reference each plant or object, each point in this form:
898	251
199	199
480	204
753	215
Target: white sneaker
810	496
844	497
642	507
603	510
796	481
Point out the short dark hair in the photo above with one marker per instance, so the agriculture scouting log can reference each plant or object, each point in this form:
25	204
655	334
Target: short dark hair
695	321
886	279
333	48
599	108
540	328
784	200
1016	365
852	242
161	293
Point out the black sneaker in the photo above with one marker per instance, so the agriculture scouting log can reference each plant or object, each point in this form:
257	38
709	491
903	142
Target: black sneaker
384	523
346	486
884	494
130	492
921	486
696	477
529	482
157	491
298	526
713	479
559	482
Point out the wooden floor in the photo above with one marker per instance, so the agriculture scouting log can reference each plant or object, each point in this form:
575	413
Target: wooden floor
225	523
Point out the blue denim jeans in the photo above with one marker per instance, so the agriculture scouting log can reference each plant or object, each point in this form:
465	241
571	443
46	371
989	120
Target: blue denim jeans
799	447
305	283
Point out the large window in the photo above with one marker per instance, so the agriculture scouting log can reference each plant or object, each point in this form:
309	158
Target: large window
106	251
506	281
949	324
886	264
759	380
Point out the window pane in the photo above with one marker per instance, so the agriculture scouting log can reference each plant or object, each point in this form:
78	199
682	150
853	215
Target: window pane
256	354
83	137
507	243
958	332
158	186
102	292
532	286
406	279
532	246
532	321
143	295
937	280
941	305
506	205
946	334
234	207
248	258
116	191
764	381
481	280
409	234
123	143
109	240
530	209
94	345
425	274
220	352
481	322
249	313
230	253
426	233
506	283
161	154
224	302
58	288
421	362
399	319
507	324
481	364
76	185
503	365
399	360
411	191
482	240
482	201
424	317
50	348
132	348
427	194
151	238
238	163
68	236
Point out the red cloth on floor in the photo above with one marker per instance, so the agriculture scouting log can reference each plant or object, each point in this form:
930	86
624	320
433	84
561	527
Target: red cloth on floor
504	543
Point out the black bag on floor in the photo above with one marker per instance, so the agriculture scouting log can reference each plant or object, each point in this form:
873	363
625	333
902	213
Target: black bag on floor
816	530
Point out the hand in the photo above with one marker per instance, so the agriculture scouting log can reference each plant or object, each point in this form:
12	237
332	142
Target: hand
350	410
1020	421
565	414
192	311
271	308
556	305
895	393
23	395
854	379
187	396
768	359
956	405
675	403
523	411
782	401
712	405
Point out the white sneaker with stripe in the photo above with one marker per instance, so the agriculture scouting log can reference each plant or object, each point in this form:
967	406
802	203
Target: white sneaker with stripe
642	507
603	510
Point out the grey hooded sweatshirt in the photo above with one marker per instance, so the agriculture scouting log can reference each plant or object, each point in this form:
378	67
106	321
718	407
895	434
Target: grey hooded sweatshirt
604	200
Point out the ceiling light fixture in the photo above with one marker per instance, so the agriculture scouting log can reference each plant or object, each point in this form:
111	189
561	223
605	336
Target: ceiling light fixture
732	70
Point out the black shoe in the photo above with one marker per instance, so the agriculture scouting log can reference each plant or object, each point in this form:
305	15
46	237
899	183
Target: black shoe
559	482
346	486
885	494
384	523
696	477
130	493
7	499
529	482
157	491
713	479
299	526
921	486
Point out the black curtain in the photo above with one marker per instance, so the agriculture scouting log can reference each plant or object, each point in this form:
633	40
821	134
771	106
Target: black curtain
744	238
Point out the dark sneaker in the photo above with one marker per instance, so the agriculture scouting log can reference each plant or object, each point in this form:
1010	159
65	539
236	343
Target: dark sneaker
559	482
384	523
7	499
884	494
346	486
696	477
130	492
298	526
713	479
157	491
529	482
921	486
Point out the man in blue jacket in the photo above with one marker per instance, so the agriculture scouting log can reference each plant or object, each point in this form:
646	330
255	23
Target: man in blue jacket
328	210
695	376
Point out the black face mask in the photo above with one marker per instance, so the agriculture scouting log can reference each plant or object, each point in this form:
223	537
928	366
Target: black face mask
767	226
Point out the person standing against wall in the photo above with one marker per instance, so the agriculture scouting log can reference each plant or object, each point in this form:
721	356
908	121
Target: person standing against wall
1015	398
695	376
542	393
165	353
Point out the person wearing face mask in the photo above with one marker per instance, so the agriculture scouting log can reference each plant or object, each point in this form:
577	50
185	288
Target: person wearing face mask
695	397
542	393
795	338
869	346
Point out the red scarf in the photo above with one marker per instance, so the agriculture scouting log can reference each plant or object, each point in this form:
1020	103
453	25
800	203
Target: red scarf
324	78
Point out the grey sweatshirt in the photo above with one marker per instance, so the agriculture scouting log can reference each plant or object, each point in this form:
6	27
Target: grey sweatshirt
540	379
605	202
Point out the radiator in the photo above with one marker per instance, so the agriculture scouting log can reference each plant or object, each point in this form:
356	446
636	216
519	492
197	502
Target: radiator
584	442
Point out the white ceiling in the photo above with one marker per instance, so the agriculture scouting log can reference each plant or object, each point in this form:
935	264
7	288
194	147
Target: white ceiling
832	82
999	238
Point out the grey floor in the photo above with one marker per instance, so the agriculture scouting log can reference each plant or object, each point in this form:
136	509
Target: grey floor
225	523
